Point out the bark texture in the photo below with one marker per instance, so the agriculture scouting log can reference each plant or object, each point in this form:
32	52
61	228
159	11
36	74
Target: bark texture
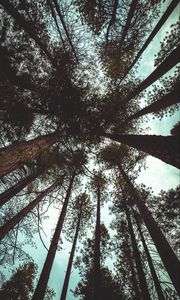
13	156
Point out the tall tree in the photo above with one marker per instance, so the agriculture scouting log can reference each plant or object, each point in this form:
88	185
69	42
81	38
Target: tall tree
98	182
169	258
150	261
139	267
45	273
83	209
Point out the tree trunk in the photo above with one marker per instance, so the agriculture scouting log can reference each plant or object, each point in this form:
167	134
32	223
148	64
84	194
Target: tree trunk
166	253
167	100
23	213
166	148
68	271
134	281
162	69
139	267
46	270
22	23
161	22
13	156
12	191
97	254
128	23
150	262
64	26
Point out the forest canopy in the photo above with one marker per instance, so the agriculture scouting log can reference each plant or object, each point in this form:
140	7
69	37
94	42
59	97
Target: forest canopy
82	86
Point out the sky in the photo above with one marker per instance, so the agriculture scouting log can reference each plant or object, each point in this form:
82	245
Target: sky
158	175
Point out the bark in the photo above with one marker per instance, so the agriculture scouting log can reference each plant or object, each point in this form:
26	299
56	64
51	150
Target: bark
167	100
128	23
165	148
23	213
161	22
165	251
11	10
139	267
68	271
97	254
13	156
162	69
46	270
150	262
64	26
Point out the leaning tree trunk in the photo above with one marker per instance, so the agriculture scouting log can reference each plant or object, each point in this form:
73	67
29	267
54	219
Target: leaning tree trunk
162	69
150	262
97	254
46	270
161	22
68	271
139	267
23	213
166	148
128	23
16	188
167	100
64	26
165	251
12	11
13	156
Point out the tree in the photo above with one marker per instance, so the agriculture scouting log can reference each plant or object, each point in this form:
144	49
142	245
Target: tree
82	208
165	251
21	284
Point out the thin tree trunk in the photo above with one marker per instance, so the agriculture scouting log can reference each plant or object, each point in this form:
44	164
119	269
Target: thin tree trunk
13	156
167	100
162	69
23	213
11	10
134	281
166	148
64	26
139	267
55	20
46	270
12	191
150	262
128	23
112	21
97	254
68	271
165	251
161	22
